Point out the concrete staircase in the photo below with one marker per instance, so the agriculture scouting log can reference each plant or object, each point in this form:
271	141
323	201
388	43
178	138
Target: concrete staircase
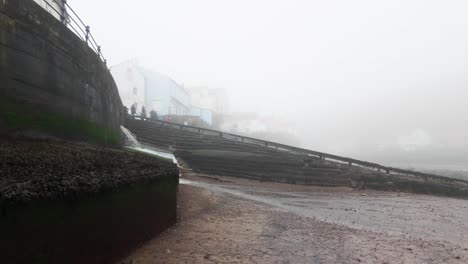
217	153
212	154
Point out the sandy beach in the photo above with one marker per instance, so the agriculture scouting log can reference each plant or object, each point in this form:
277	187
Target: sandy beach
227	220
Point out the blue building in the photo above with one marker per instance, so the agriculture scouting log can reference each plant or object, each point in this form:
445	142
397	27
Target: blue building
142	87
165	96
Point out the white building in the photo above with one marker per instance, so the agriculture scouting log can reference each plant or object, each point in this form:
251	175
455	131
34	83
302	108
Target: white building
215	100
131	83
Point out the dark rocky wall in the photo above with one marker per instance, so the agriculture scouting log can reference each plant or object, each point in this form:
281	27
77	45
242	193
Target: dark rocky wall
47	69
102	228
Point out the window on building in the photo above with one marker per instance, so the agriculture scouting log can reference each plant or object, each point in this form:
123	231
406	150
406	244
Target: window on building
135	91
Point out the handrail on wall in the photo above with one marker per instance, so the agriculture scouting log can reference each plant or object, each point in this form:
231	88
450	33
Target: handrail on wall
321	155
77	26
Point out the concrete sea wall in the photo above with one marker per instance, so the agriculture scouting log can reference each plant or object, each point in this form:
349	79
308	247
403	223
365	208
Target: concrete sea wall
51	82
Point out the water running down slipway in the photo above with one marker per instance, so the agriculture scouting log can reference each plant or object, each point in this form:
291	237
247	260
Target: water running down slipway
131	142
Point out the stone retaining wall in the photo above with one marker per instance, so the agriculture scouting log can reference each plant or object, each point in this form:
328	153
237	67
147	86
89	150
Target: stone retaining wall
51	81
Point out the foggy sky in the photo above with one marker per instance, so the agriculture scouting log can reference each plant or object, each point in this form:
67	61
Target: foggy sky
370	79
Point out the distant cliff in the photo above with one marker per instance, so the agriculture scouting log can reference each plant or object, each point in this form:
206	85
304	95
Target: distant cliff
52	83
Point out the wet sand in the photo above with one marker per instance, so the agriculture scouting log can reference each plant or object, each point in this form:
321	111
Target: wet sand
229	220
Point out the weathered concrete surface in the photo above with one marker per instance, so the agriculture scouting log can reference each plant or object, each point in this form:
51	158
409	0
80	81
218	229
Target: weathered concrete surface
243	221
76	203
45	68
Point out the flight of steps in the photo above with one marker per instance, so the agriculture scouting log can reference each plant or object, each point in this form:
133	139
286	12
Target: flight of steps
212	154
217	155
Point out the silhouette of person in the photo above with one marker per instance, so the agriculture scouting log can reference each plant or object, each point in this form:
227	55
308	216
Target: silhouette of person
143	112
154	115
133	109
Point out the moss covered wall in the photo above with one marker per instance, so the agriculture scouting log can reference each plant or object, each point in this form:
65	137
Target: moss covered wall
48	69
26	118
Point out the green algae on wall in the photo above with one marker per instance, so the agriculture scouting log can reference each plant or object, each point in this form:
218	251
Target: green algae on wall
18	116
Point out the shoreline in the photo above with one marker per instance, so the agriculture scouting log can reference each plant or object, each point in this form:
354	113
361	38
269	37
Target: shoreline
220	227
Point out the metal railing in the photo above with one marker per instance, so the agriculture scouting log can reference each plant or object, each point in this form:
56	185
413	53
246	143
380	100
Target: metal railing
75	24
301	151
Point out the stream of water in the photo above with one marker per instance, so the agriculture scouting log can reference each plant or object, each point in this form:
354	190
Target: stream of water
131	142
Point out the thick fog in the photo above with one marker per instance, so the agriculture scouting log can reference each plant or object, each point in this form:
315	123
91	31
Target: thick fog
385	81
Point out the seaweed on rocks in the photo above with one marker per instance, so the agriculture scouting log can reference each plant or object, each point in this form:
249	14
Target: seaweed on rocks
49	170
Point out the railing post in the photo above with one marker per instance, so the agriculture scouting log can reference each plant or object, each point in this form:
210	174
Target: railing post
87	34
63	10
